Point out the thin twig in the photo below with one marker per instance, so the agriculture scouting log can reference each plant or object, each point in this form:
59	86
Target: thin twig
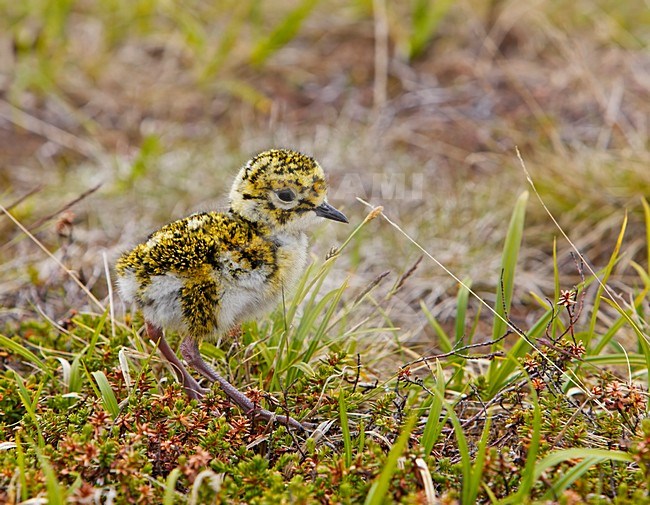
370	286
402	280
24	197
65	207
456	352
54	258
52	133
356	379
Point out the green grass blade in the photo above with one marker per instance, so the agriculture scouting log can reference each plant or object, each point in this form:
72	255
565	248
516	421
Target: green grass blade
474	484
283	33
501	374
434	425
20	350
150	150
461	336
319	334
462	301
644	346
291	341
25	397
646	213
509	258
298	346
528	475
590	458
611	332
556	283
107	395
97	331
65	371
505	285
56	493
20	456
601	287
426	17
305	368
444	342
309	283
625	317
30	404
379	489
345	428
361	443
569	477
170	486
557	457
228	40
634	359
465	455
645	349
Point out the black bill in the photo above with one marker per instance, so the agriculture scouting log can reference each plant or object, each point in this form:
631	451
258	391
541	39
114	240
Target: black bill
327	211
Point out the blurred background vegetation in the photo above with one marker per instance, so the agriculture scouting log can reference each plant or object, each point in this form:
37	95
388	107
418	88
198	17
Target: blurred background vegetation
117	116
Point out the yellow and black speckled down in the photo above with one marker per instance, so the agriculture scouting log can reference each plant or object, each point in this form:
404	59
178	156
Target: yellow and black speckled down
208	251
206	239
210	271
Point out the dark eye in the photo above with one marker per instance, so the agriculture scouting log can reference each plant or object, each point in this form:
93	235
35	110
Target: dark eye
286	195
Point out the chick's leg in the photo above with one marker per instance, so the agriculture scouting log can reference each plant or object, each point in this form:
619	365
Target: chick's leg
191	354
192	387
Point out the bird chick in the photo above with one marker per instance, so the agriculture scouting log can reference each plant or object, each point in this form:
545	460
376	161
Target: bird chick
204	275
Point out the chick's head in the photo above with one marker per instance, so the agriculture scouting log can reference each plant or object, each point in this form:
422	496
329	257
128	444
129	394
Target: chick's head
282	189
